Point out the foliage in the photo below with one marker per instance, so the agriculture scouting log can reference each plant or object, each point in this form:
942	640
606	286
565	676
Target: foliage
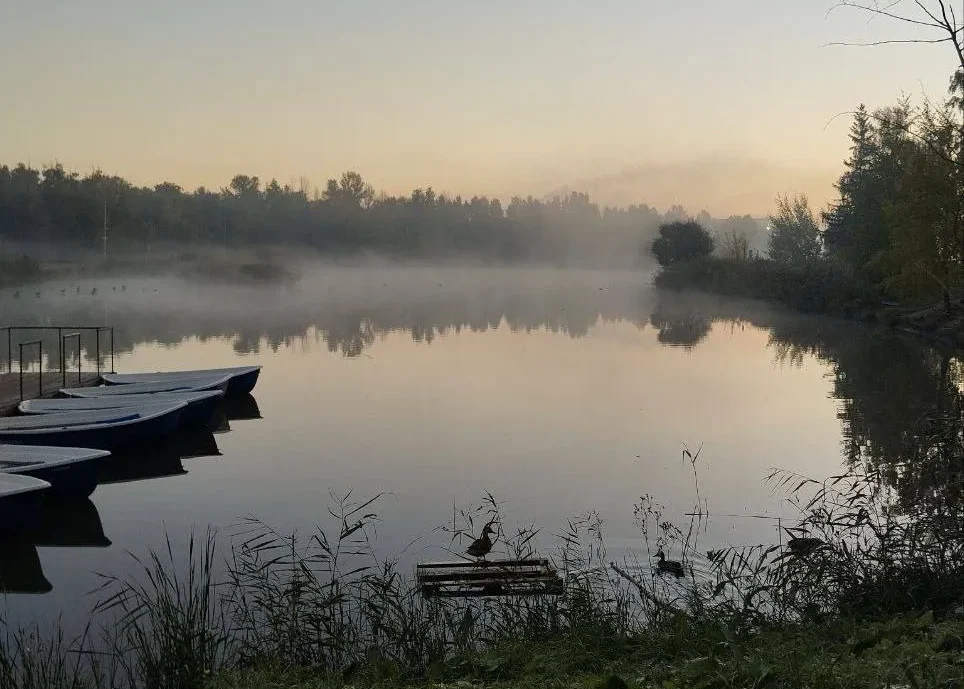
794	235
852	610
735	247
345	216
817	287
681	241
900	217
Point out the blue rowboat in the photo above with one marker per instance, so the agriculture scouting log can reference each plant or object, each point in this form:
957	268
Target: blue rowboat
71	471
242	378
21	499
200	408
102	430
195	384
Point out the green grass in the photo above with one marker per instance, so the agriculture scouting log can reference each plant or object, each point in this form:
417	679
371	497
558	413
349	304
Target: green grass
905	651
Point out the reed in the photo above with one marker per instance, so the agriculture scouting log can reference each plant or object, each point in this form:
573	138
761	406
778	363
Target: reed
323	605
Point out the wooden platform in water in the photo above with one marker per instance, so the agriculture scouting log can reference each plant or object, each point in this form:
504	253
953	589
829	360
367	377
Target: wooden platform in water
52	382
469	579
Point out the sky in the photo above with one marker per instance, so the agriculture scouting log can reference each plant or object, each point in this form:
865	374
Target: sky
711	104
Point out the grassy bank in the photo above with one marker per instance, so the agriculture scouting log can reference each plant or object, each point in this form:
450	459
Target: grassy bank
914	650
821	287
866	590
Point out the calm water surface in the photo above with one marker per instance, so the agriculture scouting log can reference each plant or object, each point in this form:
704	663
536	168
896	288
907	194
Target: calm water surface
557	391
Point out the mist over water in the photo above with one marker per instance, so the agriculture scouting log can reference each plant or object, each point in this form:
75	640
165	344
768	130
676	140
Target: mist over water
558	391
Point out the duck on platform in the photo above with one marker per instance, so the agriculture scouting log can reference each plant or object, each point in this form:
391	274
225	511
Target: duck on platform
668	566
481	546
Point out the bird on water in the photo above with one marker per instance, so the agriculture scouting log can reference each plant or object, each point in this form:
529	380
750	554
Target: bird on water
668	566
482	546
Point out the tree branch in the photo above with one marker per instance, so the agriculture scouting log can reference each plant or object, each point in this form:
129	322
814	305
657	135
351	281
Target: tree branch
871	9
890	42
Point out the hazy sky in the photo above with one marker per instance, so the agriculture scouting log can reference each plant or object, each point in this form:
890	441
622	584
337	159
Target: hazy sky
710	103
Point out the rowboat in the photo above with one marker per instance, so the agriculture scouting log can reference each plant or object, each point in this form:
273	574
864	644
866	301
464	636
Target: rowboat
195	384
200	408
242	378
104	430
20	501
70	471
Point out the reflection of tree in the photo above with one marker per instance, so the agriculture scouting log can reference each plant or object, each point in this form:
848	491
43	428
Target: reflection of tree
680	330
901	403
350	320
901	406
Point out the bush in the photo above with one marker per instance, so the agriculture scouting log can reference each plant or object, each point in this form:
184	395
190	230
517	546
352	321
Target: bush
679	242
820	287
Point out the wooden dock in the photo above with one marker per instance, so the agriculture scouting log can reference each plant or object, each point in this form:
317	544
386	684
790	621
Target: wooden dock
52	382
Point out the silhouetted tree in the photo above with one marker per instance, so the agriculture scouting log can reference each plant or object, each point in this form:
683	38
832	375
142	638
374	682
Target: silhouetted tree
794	235
679	242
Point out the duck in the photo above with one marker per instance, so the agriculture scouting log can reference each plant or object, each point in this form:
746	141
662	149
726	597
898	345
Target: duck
803	545
481	546
668	566
16	295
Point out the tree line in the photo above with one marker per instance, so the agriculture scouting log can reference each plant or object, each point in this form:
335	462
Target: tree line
897	227
53	204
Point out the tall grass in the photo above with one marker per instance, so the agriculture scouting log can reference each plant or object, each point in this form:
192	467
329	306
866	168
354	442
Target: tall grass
324	602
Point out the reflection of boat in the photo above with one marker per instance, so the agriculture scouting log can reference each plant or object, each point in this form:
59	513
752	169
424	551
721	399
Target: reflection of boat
200	408
243	378
141	466
196	442
241	408
71	471
194	384
105	430
220	422
20	569
20	501
69	524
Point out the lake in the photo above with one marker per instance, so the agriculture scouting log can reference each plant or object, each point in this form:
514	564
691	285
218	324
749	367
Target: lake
557	391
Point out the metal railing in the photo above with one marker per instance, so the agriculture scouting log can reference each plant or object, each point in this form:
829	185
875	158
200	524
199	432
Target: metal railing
40	372
97	330
64	334
63	357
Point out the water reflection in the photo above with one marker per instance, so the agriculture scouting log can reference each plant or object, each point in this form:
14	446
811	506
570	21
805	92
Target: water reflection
241	408
70	524
20	569
63	524
900	402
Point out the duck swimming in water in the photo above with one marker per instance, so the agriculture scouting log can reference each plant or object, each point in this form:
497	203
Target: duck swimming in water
668	566
482	546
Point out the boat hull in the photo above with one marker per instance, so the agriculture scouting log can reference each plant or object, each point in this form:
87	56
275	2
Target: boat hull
74	480
244	383
200	410
243	379
20	511
104	436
